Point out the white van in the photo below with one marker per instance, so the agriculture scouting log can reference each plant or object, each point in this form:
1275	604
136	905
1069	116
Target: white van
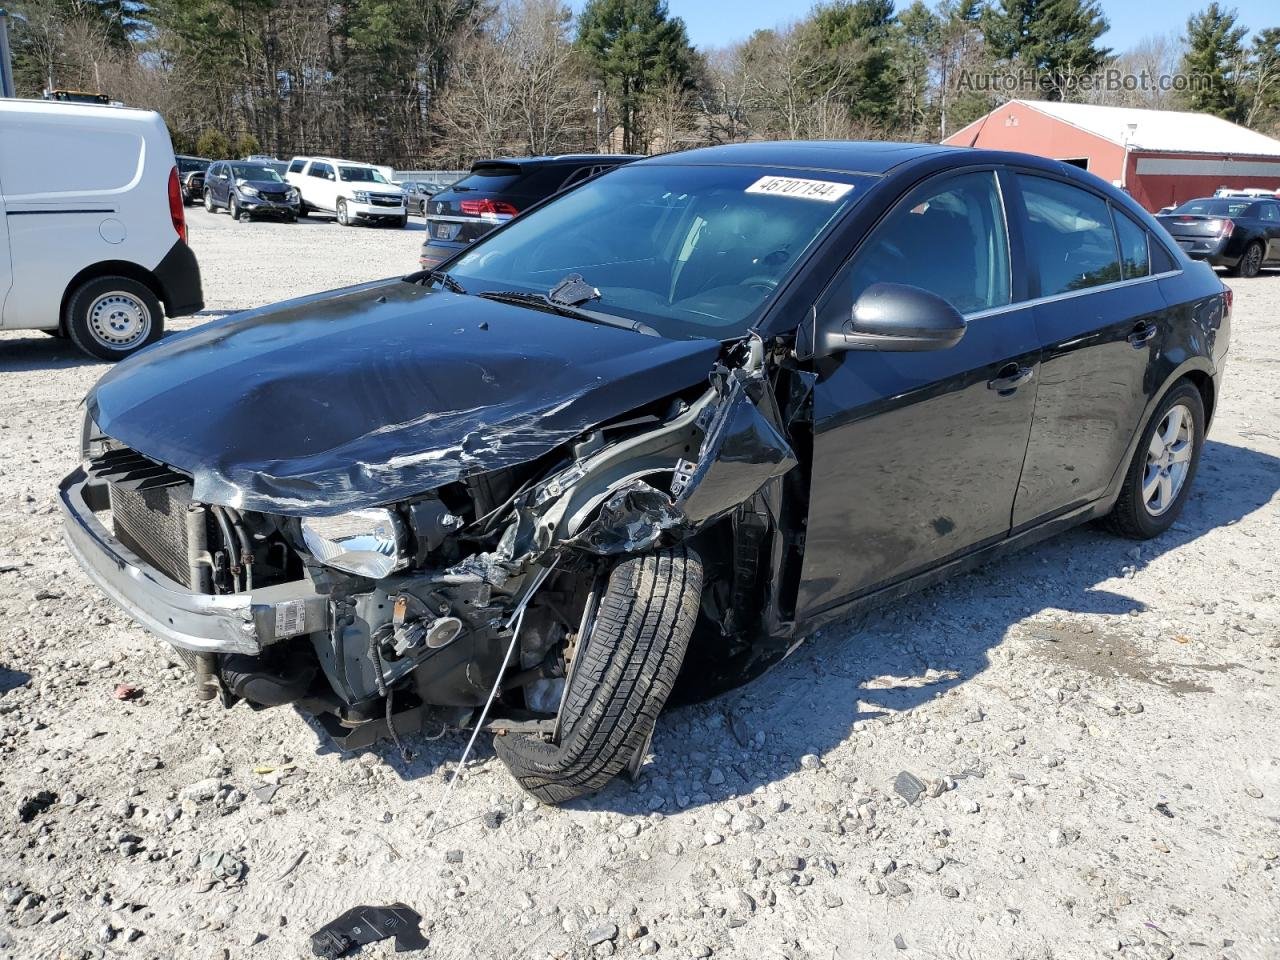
93	238
353	192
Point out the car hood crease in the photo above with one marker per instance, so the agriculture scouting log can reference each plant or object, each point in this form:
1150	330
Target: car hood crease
383	391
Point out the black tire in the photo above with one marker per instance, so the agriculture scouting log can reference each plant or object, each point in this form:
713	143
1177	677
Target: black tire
91	335
402	222
1250	264
1131	516
620	679
208	202
341	214
234	208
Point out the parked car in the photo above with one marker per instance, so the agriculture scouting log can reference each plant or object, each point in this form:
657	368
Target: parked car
93	233
495	191
248	190
1246	192
1239	233
685	414
418	192
191	172
352	192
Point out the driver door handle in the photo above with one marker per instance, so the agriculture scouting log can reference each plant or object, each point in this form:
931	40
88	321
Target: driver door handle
1011	377
1142	332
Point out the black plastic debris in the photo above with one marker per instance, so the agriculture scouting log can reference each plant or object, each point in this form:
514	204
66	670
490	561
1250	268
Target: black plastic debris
36	804
908	786
1163	808
363	925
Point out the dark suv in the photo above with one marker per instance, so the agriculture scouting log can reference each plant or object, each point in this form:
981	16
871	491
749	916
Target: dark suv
495	191
249	190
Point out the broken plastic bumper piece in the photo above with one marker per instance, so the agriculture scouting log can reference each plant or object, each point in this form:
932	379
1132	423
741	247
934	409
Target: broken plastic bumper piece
203	623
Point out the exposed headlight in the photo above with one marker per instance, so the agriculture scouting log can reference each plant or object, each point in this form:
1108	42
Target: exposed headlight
369	543
360	196
248	191
292	194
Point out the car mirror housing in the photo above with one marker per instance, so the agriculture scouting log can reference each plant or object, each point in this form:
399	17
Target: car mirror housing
890	317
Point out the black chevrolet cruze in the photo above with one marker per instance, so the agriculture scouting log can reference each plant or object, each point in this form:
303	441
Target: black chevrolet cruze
677	418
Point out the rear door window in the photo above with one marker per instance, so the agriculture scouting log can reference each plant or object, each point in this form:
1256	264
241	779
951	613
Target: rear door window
320	170
1071	240
1269	212
1135	249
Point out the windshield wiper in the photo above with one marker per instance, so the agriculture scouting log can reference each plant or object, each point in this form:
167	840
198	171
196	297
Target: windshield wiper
447	282
540	301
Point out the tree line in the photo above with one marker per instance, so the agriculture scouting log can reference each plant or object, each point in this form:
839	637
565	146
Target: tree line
442	82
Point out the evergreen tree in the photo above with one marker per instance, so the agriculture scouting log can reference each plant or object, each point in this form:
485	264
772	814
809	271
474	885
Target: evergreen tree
635	47
857	40
1213	60
1058	39
1263	80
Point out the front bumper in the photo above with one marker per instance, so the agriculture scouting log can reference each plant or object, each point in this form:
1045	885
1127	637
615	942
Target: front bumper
375	211
203	623
276	208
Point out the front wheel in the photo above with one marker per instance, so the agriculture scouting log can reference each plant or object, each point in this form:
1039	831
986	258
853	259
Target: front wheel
208	201
1159	478
235	208
402	222
342	214
113	317
619	679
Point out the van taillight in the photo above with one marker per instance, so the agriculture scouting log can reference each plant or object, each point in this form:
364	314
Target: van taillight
176	210
478	208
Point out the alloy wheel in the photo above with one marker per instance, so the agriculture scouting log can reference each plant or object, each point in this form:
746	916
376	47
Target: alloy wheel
1168	459
118	320
1253	261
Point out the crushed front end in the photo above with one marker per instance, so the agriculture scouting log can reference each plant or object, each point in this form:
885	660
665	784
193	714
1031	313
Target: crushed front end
395	618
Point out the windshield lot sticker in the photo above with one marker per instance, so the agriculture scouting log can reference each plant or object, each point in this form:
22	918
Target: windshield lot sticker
827	191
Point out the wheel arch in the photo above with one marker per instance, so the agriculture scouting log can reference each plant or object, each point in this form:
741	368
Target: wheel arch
110	268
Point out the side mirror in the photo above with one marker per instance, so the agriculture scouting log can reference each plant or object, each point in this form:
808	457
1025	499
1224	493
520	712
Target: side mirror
892	317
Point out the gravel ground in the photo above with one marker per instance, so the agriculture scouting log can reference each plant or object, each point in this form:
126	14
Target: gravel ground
1094	725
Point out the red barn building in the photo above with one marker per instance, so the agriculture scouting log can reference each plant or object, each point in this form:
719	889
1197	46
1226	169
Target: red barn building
1161	157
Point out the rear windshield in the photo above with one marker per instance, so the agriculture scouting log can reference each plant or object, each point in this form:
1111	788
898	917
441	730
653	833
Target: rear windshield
192	164
492	179
1214	207
254	171
361	175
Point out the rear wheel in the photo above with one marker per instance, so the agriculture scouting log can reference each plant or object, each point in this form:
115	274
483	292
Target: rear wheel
1250	264
619	679
113	317
1164	465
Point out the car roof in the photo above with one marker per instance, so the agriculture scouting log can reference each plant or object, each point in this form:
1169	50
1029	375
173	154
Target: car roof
563	158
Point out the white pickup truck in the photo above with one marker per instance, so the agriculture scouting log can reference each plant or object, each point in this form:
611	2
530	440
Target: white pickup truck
353	192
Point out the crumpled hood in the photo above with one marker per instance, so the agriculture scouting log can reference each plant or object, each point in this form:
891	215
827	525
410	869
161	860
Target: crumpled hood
374	393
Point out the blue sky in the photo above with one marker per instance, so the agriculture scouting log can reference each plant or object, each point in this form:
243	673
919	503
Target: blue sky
715	23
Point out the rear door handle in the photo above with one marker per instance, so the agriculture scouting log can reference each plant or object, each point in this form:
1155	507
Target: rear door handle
1010	379
1142	333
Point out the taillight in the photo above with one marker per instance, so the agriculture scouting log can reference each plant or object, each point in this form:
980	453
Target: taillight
1228	299
492	208
1228	227
176	210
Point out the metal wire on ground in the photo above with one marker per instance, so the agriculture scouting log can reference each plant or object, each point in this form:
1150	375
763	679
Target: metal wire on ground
514	623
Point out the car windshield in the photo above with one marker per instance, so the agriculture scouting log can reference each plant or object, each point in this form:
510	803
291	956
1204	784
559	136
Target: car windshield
1213	207
192	165
362	175
692	251
254	171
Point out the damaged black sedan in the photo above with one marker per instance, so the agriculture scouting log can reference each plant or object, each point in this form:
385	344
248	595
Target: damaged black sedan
657	428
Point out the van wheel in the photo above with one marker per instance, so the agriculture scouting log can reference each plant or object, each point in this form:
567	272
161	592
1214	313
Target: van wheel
208	201
619	679
113	317
1164	465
